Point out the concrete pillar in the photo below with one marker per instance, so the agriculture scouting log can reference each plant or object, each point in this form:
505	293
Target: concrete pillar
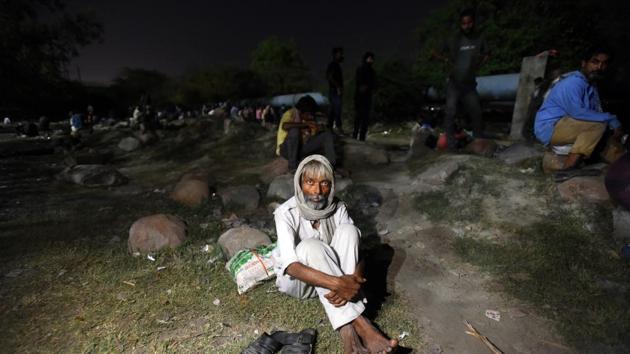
531	69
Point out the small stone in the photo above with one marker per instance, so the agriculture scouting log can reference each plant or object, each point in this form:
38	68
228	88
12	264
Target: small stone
518	153
481	147
275	168
240	238
281	187
243	196
516	313
216	302
154	232
621	224
192	189
552	162
129	144
93	176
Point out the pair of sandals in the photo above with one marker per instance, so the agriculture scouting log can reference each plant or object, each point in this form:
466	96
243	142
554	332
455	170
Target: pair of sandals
289	343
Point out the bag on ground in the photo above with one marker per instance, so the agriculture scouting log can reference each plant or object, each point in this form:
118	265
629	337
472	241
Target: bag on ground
251	267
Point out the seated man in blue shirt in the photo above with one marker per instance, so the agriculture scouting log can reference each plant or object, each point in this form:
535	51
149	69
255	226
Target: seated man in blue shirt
572	113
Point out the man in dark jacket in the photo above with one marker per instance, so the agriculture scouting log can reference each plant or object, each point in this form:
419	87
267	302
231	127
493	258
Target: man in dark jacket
463	54
365	85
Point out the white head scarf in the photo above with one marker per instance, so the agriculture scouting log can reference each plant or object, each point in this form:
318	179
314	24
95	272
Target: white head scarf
324	216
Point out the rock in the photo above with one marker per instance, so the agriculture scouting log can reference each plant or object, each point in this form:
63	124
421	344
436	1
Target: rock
154	232
93	176
240	238
275	168
552	162
621	225
147	138
192	189
481	147
588	189
271	207
421	141
281	187
90	157
438	173
342	184
359	153
244	196
129	144
519	152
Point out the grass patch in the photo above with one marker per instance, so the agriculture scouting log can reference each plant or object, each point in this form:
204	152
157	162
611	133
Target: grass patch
76	297
573	276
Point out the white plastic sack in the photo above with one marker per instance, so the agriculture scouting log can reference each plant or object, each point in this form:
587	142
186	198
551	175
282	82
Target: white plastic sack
251	267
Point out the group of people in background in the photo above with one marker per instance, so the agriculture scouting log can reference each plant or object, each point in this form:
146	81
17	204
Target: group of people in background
365	84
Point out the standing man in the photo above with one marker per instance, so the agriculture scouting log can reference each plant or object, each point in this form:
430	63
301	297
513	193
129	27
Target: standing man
463	54
317	255
334	75
365	84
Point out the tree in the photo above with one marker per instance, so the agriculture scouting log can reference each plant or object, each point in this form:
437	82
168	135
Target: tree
398	97
35	52
280	66
518	28
132	83
218	83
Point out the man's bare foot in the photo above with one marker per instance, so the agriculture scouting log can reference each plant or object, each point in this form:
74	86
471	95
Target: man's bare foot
351	341
373	339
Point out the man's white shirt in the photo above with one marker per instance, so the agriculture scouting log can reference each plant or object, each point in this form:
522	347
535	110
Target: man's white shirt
291	229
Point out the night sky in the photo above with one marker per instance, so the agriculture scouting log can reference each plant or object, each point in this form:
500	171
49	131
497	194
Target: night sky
174	37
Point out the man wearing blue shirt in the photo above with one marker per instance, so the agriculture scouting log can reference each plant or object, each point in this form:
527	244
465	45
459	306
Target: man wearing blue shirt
572	113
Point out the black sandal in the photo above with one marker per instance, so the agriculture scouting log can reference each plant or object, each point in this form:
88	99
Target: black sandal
265	344
296	343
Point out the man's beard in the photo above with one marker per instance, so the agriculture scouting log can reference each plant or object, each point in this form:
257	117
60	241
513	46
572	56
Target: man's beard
316	202
595	76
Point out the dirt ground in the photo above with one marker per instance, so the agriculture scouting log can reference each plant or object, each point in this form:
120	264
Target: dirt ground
427	288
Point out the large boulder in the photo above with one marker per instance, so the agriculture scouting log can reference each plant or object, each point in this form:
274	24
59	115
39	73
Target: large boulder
192	189
584	188
422	142
147	138
519	152
275	168
281	187
244	196
621	225
240	238
90	157
93	176
481	147
360	153
154	232
618	181
438	173
552	162
129	144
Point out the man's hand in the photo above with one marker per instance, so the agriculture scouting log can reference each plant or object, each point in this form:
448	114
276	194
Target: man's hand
346	288
335	299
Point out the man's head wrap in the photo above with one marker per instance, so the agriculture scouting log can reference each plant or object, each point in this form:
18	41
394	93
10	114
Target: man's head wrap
324	216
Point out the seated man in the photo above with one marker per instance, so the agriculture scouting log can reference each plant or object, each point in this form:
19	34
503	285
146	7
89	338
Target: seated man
318	255
572	112
299	135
